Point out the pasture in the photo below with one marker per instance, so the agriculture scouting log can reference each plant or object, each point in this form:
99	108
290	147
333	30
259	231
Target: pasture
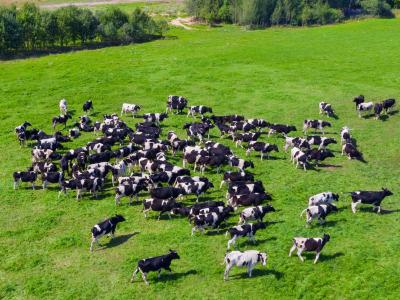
277	74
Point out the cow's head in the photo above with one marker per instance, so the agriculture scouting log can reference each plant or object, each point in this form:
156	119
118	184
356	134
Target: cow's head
173	254
119	218
326	124
326	238
262	257
335	197
268	208
387	192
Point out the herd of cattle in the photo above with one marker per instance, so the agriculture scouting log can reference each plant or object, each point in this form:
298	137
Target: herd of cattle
122	148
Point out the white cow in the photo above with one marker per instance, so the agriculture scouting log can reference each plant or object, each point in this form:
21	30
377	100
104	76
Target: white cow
63	107
323	198
364	107
247	259
130	108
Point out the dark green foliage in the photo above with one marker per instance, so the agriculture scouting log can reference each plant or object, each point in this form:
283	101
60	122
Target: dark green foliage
30	29
261	13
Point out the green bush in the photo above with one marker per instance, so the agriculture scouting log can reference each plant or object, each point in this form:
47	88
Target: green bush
379	8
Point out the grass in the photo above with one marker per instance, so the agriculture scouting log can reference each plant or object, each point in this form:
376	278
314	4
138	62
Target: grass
276	74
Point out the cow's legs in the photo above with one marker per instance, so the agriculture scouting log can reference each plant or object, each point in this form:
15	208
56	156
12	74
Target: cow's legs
144	276
220	186
299	251
159	274
94	240
250	269
354	206
227	269
316	258
232	241
292	249
193	230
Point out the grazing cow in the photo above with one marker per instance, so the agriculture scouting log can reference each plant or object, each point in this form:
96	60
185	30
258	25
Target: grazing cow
296	142
74	133
263	148
240	187
254	213
198	130
196	188
24	177
199	109
345	136
214	220
260	123
89	184
351	151
216	209
241	164
369	197
388	104
299	157
41	155
244	230
167	192
323	198
279	128
318	154
224	129
378	108
161	205
309	244
130	108
315	124
239	138
108	226
358	100
322	142
22	127
42	167
230	176
63	106
364	107
318	211
68	185
129	189
248	259
52	177
155	264
62	119
157	118
87	106
248	199
326	108
245	126
177	103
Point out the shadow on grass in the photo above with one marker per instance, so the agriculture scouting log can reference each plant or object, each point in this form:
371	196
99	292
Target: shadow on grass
329	166
372	210
119	240
394	112
325	257
259	272
175	276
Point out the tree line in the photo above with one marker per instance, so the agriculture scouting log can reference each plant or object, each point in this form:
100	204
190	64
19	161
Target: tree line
30	29
263	13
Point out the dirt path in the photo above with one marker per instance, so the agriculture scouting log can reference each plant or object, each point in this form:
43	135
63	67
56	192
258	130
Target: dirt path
95	3
183	22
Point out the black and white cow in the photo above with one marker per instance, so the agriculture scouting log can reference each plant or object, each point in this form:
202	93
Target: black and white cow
321	141
296	142
358	100
198	130
62	119
199	109
263	148
388	104
29	176
87	106
128	190
230	176
108	226
315	124
255	213
351	151
318	154
364	107
318	212
52	177
214	220
309	245
240	138
155	264
155	117
326	108
130	108
68	185
260	123
369	197
90	184
196	188
345	136
245	126
323	198
241	164
177	103
167	192
161	205
245	230
243	187
248	199
298	157
42	167
41	155
74	133
378	108
280	128
248	259
63	106
22	127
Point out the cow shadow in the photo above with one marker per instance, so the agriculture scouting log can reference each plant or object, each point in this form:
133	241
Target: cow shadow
260	272
328	257
329	166
370	209
94	114
269	223
389	211
394	112
383	118
175	276
119	240
332	223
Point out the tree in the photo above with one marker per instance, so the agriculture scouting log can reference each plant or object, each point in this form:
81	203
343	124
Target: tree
29	18
11	38
88	25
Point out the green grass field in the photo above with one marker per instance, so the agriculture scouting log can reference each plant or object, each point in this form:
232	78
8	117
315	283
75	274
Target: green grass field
276	74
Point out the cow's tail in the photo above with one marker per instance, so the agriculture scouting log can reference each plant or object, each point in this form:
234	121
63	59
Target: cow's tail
303	212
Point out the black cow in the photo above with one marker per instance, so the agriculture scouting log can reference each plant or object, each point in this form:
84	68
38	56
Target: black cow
68	185
196	188
243	187
100	157
351	151
87	106
248	199
388	104
239	138
161	205
52	177
108	226
29	176
318	154
62	119
248	230
378	108
154	264
369	197
166	192
177	103
279	128
358	100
